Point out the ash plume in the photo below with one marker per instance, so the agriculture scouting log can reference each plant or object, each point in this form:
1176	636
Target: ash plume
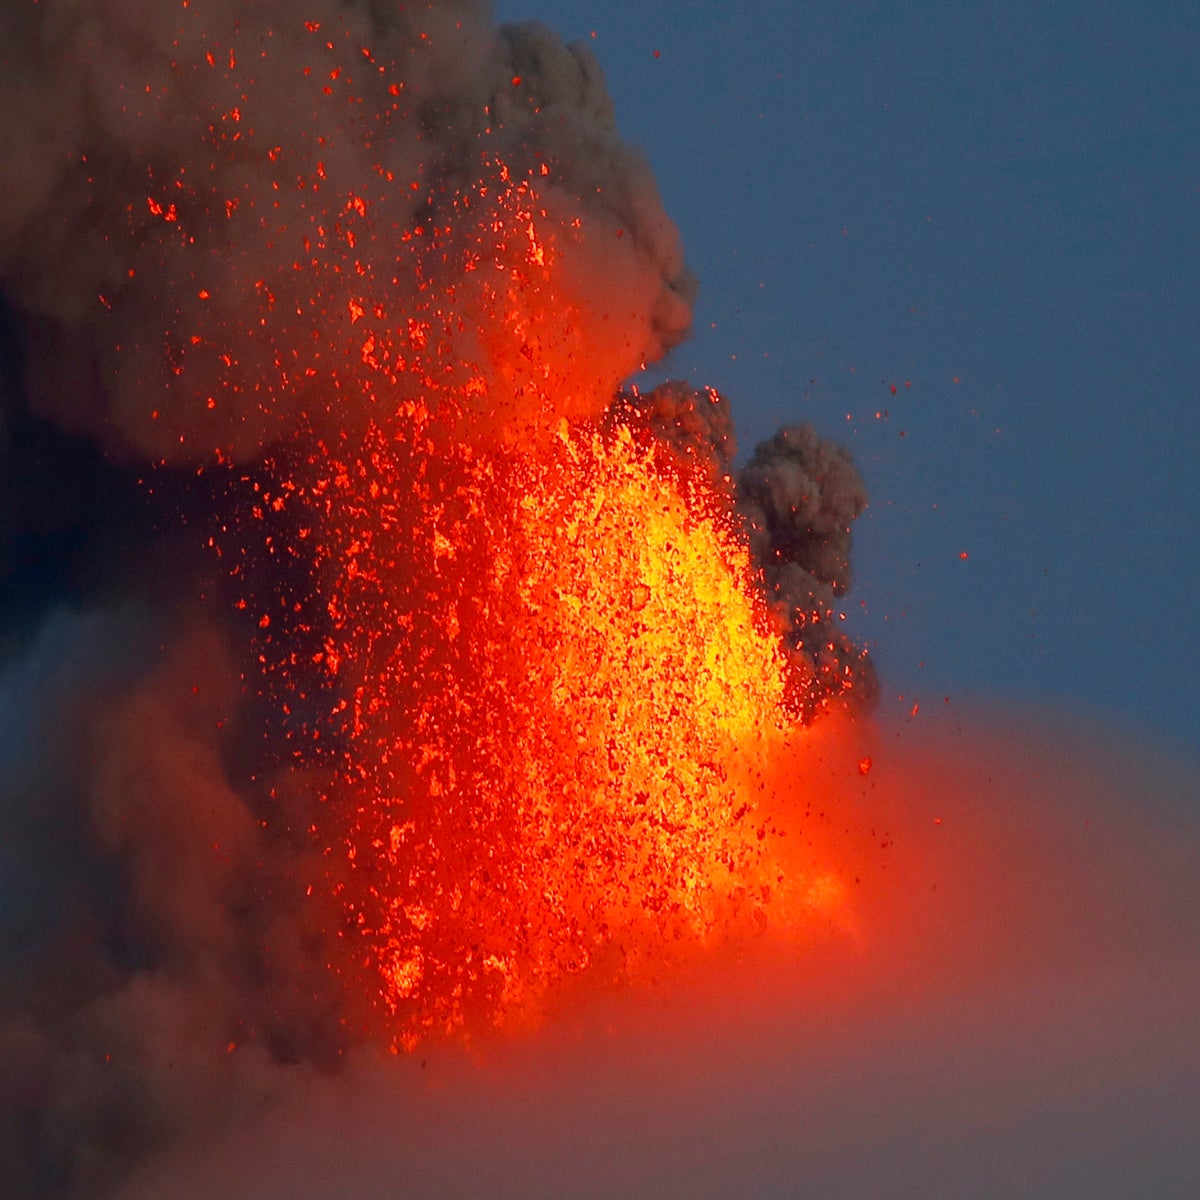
227	229
799	495
160	962
185	195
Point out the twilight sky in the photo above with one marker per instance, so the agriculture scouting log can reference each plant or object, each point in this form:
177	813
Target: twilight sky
992	212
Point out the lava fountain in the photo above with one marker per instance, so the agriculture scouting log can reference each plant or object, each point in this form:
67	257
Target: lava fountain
553	681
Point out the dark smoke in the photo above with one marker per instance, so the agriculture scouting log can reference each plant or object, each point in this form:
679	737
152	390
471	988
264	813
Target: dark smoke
158	966
193	198
181	182
799	494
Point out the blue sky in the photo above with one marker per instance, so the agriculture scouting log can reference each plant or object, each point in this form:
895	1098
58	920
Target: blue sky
992	209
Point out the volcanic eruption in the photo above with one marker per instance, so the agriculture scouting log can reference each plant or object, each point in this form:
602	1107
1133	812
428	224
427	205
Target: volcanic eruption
390	664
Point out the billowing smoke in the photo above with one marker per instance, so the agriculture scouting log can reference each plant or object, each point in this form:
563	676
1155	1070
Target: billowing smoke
235	237
799	494
195	196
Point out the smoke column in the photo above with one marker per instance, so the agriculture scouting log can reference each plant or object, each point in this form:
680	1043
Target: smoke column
379	675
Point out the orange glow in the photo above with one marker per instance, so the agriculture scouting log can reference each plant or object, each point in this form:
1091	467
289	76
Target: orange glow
553	687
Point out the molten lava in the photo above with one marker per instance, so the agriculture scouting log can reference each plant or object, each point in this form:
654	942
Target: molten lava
559	694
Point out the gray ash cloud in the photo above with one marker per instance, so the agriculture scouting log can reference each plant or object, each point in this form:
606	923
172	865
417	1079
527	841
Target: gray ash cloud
182	231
